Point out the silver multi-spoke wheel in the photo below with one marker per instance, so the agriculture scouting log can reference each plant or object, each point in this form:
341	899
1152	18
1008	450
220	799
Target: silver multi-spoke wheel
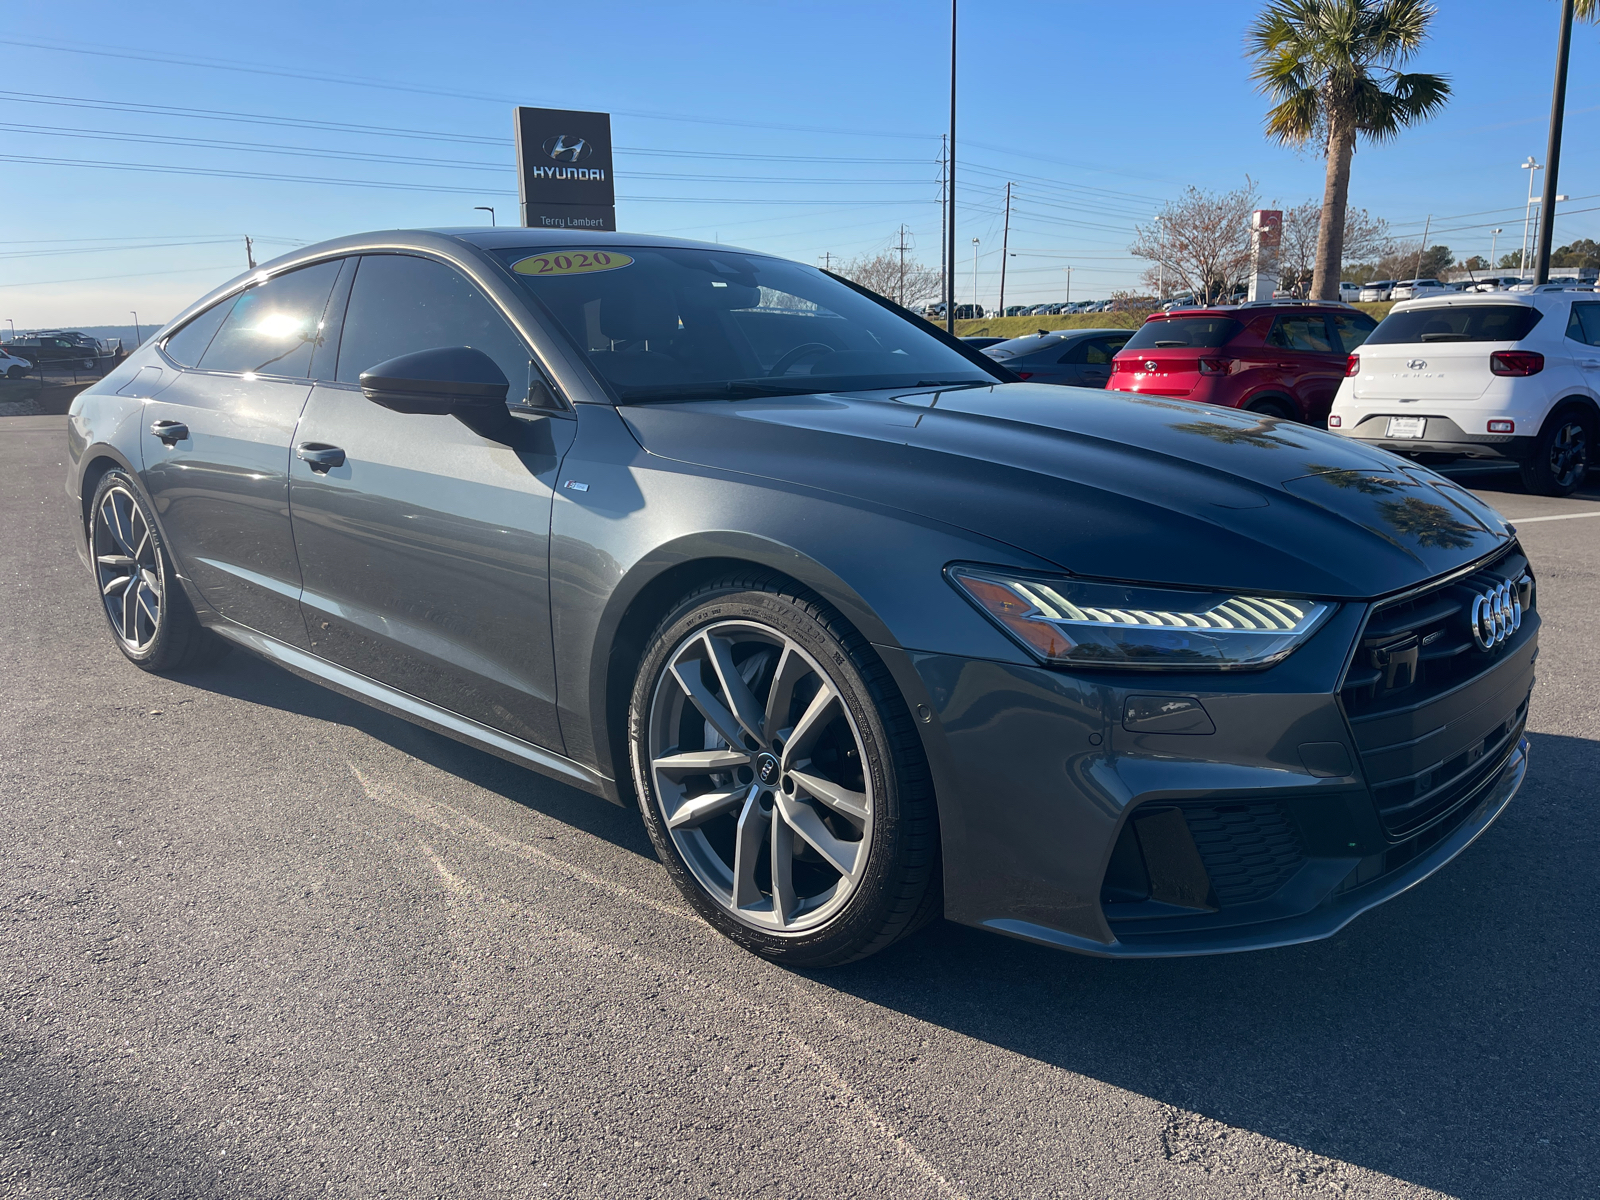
757	765
128	569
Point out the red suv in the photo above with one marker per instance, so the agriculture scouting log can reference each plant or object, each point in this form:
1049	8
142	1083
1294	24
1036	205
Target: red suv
1284	358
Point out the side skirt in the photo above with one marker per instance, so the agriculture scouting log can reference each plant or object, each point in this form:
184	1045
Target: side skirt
420	712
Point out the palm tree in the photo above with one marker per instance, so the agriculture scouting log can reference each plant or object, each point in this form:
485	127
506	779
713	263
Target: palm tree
1333	68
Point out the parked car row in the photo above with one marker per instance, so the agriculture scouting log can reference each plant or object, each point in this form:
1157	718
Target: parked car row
1379	290
64	346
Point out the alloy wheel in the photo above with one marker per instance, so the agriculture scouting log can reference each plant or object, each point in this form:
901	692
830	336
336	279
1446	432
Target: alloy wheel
128	569
1569	453
758	768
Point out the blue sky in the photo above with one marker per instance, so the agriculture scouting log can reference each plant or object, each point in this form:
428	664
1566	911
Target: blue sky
803	129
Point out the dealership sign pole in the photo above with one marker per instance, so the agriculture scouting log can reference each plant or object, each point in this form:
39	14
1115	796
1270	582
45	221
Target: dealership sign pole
564	174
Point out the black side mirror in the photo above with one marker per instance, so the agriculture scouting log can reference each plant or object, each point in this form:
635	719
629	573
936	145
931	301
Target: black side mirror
446	381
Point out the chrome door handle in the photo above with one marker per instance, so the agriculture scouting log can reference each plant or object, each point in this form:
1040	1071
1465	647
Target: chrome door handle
170	432
319	456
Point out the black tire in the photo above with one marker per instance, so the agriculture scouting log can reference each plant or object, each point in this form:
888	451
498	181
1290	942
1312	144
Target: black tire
1272	408
897	890
1561	454
173	639
16	372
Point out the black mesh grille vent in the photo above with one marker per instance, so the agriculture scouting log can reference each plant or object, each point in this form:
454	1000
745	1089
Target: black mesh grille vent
1250	850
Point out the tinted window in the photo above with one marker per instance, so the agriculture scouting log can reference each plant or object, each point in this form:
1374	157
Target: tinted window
664	321
1467	323
273	327
1352	329
1096	352
1305	333
1199	332
1584	324
189	343
1029	344
401	304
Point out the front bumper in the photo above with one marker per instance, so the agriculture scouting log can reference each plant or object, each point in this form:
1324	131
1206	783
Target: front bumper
1280	819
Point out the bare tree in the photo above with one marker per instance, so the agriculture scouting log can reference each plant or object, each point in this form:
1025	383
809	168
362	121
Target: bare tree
1201	242
904	280
1366	237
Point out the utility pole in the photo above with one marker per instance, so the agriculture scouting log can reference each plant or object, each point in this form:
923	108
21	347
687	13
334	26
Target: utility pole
950	191
249	254
1161	259
944	214
1552	154
1005	242
827	260
902	300
1427	226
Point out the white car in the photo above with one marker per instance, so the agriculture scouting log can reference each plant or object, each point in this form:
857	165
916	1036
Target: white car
13	367
1349	292
1502	375
1376	291
1417	289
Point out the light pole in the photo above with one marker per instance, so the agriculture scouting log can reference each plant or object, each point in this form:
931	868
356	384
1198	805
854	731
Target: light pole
13	325
950	190
1530	167
1494	266
1161	259
974	277
1068	270
138	336
484	208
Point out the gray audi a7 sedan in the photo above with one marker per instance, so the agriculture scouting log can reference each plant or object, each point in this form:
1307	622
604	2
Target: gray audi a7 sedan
869	630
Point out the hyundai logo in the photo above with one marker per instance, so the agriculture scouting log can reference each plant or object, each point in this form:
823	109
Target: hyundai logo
1496	614
1150	364
566	148
1417	364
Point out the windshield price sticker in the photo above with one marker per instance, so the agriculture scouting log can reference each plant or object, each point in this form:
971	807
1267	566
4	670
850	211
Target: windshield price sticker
572	262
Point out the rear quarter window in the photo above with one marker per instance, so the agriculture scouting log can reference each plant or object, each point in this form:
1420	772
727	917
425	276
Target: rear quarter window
1205	333
1467	323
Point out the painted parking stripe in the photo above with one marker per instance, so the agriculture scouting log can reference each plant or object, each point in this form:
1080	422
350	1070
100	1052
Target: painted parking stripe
1557	517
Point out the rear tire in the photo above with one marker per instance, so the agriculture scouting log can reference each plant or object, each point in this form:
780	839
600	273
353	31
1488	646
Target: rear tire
1271	408
809	834
1561	454
144	604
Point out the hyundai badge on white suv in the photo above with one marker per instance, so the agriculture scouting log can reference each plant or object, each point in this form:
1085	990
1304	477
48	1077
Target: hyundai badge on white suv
1509	375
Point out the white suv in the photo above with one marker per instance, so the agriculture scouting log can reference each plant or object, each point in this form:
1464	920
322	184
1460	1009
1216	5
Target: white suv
1416	289
1511	375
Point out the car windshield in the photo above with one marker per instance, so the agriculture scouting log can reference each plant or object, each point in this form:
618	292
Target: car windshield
671	322
1171	333
1467	323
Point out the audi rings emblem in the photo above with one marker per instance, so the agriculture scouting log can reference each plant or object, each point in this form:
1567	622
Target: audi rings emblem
1496	614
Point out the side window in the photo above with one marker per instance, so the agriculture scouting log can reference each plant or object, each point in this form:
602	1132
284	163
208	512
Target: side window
188	345
1304	333
1584	325
1352	329
401	304
273	327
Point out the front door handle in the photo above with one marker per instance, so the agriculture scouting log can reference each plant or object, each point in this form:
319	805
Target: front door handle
319	456
170	432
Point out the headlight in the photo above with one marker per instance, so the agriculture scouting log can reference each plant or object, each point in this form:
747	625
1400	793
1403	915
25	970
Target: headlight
1080	624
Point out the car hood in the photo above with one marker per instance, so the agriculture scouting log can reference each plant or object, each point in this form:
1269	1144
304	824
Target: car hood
1106	484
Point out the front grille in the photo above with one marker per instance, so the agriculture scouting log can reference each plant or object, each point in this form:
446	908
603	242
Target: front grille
1433	715
1249	850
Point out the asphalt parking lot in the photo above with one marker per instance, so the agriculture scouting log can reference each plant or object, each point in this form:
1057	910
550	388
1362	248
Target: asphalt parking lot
257	940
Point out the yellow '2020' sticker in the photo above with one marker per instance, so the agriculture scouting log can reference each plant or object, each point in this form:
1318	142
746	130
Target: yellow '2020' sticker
572	262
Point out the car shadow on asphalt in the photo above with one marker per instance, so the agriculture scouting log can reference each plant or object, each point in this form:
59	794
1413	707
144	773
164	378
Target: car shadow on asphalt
1448	1038
246	677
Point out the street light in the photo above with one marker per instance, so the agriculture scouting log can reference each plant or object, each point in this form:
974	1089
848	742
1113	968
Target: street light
1530	167
1493	265
1161	258
13	325
484	208
138	337
975	276
1068	270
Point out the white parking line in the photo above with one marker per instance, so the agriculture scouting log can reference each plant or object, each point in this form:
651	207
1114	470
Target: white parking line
1557	517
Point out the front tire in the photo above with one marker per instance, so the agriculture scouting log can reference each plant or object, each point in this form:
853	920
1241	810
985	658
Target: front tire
145	607
780	776
1561	453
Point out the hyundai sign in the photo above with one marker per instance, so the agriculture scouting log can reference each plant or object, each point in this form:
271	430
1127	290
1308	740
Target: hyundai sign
564	169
